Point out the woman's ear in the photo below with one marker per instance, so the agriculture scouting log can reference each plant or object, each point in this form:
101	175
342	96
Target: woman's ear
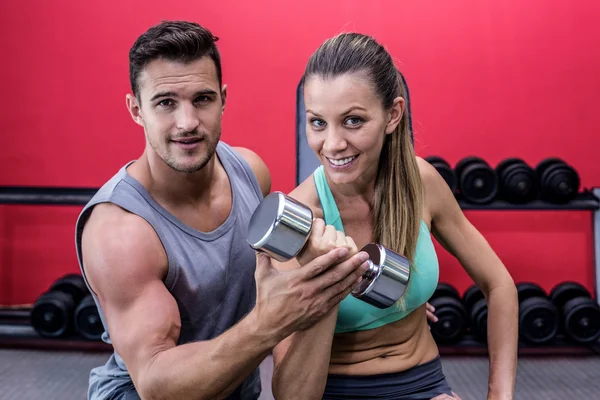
395	114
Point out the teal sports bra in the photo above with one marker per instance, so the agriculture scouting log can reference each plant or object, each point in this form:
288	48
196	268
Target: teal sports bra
355	314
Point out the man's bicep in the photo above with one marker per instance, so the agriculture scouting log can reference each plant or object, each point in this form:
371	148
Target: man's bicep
125	264
141	323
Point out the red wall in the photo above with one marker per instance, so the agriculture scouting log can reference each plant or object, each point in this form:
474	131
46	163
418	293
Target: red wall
495	79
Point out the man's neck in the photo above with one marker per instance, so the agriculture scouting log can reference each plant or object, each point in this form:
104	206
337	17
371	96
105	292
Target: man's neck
167	185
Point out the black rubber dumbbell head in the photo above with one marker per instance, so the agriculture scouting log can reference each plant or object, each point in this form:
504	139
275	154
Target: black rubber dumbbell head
452	318
52	313
580	313
517	181
566	291
559	182
479	314
87	319
475	305
538	316
471	296
72	284
444	289
477	181
444	169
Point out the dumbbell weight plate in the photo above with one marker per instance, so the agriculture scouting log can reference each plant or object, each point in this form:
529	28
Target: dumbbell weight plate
517	181
479	314
52	313
580	313
538	317
526	290
280	226
538	320
477	181
582	319
451	322
445	290
476	308
564	182
87	320
444	169
72	284
566	291
471	296
559	182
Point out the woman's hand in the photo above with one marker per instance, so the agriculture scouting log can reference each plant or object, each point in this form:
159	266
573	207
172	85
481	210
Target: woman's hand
430	313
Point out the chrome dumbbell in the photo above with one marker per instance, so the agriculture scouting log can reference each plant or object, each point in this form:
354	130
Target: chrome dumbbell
280	227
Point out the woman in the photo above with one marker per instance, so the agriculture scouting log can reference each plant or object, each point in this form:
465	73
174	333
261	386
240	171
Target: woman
373	187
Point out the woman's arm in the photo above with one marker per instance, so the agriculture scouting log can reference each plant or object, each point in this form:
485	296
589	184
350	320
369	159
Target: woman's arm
460	238
301	361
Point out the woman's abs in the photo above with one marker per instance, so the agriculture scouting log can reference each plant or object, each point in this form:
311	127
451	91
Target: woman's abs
391	348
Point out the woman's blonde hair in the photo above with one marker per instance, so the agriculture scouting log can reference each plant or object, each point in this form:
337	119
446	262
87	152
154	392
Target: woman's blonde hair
398	190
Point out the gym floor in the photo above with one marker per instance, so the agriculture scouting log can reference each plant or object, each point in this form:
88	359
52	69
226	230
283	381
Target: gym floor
54	375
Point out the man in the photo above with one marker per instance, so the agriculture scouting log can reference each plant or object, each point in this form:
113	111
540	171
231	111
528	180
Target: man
189	309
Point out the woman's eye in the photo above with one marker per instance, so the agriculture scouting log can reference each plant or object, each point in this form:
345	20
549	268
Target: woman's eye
317	123
353	121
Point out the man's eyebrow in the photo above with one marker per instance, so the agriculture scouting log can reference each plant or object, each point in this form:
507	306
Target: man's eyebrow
205	92
163	94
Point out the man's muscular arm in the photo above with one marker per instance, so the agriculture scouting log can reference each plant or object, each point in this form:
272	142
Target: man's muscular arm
125	264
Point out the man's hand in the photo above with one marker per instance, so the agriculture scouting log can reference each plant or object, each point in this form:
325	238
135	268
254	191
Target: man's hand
292	300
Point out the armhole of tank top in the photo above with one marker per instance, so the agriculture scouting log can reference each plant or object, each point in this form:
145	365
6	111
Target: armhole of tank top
247	170
171	274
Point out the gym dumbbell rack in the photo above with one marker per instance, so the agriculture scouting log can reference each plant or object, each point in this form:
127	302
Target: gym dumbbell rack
549	323
16	330
588	200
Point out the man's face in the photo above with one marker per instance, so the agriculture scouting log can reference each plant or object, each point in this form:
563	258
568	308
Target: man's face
180	107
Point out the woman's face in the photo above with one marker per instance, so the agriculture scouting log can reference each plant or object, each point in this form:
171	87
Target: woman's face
346	125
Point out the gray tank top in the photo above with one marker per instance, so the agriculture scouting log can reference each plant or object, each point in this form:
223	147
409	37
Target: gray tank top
211	275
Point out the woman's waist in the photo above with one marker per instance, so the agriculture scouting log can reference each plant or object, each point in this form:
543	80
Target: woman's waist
388	349
424	381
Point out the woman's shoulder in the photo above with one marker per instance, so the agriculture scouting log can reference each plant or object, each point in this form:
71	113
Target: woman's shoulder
306	193
435	188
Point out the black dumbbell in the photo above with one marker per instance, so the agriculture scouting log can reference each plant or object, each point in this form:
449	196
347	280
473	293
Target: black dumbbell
451	314
87	319
538	317
444	169
475	304
517	181
476	180
579	313
559	182
52	312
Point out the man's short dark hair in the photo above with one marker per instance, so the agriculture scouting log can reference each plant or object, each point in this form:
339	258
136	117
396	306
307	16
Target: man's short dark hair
172	40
